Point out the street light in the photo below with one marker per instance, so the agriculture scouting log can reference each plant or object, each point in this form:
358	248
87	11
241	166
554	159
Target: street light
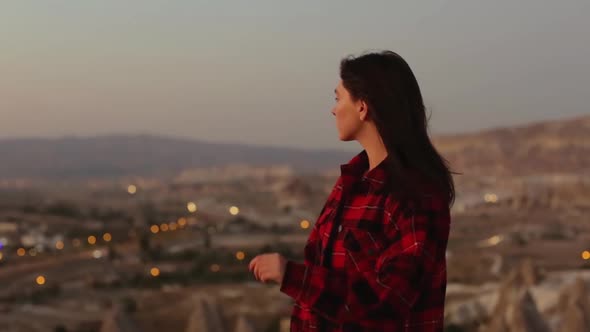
155	272
234	210
304	224
191	207
155	229
132	189
40	280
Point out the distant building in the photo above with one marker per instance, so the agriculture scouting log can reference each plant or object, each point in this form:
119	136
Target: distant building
7	227
232	173
39	240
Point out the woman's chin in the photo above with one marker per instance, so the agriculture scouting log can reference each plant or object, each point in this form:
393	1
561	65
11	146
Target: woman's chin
345	138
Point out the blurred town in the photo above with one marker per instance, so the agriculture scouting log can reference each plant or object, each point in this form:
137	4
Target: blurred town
170	253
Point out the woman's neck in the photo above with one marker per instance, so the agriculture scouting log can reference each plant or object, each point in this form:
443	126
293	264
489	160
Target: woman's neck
374	146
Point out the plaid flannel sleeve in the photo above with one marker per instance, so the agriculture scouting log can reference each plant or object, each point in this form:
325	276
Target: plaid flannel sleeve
395	281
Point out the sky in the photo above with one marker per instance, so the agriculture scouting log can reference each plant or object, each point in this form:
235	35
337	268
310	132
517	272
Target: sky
263	72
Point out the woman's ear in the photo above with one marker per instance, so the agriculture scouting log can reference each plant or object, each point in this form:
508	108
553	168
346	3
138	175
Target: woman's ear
363	110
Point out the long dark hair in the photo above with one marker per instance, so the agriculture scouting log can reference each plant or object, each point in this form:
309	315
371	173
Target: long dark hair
385	82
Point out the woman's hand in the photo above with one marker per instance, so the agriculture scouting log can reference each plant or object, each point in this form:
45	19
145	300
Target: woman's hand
268	267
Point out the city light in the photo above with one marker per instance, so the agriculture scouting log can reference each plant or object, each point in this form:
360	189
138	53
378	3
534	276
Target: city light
107	237
59	245
1	256
92	239
586	255
490	198
131	189
491	241
40	280
182	222
21	252
494	240
215	268
304	224
240	255
155	272
173	226
155	229
191	207
33	252
97	254
234	210
76	242
164	227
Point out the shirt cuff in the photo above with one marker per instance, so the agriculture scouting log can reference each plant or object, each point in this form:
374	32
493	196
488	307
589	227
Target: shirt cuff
294	279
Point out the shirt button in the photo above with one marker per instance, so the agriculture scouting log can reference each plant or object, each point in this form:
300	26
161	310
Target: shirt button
339	228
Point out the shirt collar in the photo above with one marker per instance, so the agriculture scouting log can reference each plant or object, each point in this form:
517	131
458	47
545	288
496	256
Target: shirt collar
353	171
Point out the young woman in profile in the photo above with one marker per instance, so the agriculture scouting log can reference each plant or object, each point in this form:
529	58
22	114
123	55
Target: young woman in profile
375	259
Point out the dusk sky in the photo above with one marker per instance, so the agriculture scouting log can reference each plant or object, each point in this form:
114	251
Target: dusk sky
263	72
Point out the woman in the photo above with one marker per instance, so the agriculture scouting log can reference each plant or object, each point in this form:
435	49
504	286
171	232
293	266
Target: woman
375	259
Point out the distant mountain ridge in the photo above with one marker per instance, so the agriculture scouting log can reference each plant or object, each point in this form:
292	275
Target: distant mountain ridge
144	155
561	146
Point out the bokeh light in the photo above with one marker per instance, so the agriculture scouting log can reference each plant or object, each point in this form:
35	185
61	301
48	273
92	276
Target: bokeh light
97	254
40	280
155	272
131	189
490	198
191	207
107	237
155	229
234	210
304	224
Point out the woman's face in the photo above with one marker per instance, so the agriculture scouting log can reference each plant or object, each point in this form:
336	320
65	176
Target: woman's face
348	114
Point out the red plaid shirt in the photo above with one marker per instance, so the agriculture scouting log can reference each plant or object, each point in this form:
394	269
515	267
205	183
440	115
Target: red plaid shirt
372	263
